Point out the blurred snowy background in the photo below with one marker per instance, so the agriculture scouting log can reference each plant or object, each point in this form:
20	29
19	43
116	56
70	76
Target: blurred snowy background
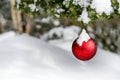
39	47
104	31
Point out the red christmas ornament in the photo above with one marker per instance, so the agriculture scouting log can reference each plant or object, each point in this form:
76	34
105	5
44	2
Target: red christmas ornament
84	47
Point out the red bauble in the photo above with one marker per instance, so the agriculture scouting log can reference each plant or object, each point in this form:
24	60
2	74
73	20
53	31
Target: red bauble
86	51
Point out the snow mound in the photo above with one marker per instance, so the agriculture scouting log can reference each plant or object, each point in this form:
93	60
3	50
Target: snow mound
68	33
6	35
23	57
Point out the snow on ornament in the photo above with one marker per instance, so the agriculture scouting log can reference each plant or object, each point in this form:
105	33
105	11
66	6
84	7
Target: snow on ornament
84	48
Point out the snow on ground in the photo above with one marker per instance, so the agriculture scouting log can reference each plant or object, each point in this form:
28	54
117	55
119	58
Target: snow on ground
23	57
6	36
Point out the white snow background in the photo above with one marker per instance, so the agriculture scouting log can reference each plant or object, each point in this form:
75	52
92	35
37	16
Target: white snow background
23	57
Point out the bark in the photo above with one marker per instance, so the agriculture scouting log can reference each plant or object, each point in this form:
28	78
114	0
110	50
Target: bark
2	29
29	24
2	24
16	17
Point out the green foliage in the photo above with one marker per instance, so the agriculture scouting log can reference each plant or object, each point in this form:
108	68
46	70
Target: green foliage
115	6
71	10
